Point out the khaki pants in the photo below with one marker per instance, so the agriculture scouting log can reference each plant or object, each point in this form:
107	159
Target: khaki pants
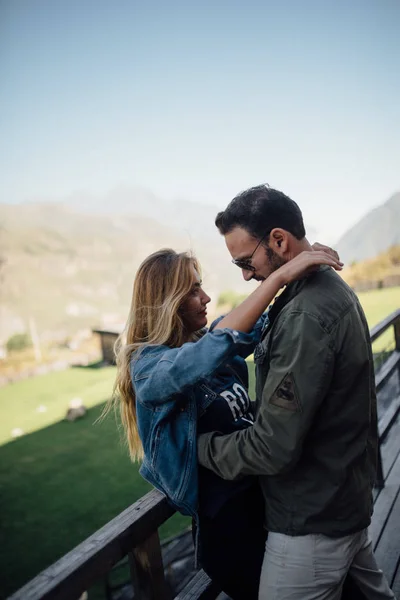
313	567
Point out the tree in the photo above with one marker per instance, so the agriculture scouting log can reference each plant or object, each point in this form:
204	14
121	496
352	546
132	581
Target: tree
394	255
18	342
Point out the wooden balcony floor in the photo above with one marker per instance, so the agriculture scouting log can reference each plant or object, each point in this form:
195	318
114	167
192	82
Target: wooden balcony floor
385	526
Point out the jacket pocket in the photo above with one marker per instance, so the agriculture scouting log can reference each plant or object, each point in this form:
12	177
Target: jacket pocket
207	395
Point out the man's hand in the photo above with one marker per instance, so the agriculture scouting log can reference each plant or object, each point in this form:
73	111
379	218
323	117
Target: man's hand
317	246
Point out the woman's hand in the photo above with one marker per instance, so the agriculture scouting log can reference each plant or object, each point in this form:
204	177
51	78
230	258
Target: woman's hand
305	262
244	316
328	249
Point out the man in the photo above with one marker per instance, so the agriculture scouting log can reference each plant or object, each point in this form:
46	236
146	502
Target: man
314	441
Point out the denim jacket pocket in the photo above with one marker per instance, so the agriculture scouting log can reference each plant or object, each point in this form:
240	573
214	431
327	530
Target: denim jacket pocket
206	396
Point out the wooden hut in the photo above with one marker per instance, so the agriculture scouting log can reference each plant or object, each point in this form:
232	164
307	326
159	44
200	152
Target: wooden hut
108	337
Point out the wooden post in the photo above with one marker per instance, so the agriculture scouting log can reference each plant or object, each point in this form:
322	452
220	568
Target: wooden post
147	570
397	334
35	339
396	326
380	479
397	342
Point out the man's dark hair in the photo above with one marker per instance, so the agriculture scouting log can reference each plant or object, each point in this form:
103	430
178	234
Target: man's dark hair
260	209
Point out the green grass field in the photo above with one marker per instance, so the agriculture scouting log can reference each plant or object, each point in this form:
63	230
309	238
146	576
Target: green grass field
61	481
377	304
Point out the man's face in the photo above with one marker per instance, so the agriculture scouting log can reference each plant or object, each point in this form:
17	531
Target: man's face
241	245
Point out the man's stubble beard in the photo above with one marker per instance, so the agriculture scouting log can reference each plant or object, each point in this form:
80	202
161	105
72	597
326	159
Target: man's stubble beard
275	261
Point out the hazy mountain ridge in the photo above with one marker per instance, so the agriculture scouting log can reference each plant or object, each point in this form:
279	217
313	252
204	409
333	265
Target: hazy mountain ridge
71	264
374	233
191	219
69	269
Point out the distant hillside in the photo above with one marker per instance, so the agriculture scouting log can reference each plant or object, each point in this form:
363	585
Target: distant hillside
194	221
378	272
374	233
70	269
71	265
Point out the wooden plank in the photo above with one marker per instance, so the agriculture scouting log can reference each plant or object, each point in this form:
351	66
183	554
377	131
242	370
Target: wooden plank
387	550
388	367
182	548
387	420
199	588
389	450
147	570
384	503
396	582
381	327
390	447
397	334
77	570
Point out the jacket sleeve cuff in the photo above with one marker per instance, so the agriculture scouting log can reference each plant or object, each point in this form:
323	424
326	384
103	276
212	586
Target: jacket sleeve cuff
239	337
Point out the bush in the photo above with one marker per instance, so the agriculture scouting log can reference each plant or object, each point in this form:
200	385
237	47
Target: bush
230	298
18	341
394	255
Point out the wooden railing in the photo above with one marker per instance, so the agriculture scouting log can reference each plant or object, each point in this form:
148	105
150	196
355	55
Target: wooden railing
382	376
393	320
134	533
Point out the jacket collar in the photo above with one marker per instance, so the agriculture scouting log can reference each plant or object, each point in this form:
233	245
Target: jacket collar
290	292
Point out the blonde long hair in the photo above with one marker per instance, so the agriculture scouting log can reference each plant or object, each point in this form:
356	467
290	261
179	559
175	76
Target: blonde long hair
162	282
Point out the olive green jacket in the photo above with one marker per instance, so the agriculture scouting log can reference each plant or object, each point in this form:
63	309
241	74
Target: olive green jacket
314	441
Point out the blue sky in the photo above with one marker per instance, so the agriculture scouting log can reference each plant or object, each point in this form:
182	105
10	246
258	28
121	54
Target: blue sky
201	100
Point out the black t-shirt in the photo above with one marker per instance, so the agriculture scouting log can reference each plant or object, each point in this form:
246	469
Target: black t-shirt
230	411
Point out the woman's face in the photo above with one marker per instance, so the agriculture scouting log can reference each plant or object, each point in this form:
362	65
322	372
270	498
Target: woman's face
193	309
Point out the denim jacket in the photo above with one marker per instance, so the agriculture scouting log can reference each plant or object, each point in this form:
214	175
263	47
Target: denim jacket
174	387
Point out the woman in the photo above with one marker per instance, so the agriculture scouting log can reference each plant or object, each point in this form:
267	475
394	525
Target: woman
175	379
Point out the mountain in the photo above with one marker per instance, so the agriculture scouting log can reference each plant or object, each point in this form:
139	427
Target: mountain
70	264
191	218
374	233
69	269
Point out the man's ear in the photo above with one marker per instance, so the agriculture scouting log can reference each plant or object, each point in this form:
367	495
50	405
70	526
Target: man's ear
278	240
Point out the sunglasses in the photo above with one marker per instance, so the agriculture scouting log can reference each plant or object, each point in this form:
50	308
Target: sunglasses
245	263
